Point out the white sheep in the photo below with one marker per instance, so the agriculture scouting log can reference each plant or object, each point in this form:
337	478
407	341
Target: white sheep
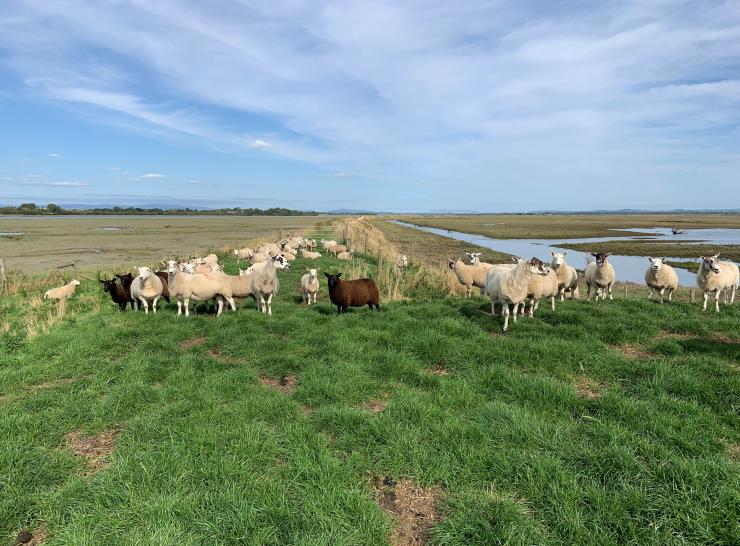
336	249
310	255
402	262
265	285
186	286
469	275
309	286
327	243
661	278
567	275
346	255
279	262
146	287
542	286
714	276
62	292
243	253
258	257
510	286
600	276
211	259
290	256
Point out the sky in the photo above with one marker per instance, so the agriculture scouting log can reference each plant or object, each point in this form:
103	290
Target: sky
400	105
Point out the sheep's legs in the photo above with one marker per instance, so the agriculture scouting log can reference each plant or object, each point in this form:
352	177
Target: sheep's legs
179	307
552	302
314	297
493	308
187	307
609	288
262	305
505	312
670	294
716	301
732	297
706	297
269	305
154	304
146	305
515	310
231	303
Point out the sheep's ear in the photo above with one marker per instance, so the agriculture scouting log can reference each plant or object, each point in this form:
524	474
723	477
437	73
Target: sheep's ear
593	254
716	256
608	254
338	275
552	254
565	252
515	259
650	259
327	275
664	258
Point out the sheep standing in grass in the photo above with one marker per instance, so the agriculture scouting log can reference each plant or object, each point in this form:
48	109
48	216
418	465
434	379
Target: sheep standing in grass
510	286
62	292
145	288
600	276
469	275
309	286
402	262
309	255
356	293
661	278
714	276
265	285
567	276
336	249
185	285
327	243
117	292
542	286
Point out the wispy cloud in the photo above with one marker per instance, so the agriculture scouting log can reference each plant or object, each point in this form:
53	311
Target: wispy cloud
260	144
197	182
56	184
152	175
54	155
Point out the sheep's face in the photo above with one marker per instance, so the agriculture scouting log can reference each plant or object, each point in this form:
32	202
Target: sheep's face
281	262
108	284
75	282
558	259
144	272
312	274
126	279
710	262
538	267
656	263
187	267
600	258
171	267
333	280
451	264
474	257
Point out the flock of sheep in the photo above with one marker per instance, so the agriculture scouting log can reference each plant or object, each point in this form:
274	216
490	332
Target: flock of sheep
531	280
511	285
203	280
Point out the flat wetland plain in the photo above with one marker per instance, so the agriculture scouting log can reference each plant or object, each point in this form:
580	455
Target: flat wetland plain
102	241
596	423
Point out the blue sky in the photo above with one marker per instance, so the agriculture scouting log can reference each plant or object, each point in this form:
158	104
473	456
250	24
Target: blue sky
387	105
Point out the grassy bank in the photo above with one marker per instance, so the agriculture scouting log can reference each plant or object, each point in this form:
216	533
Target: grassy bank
608	423
561	226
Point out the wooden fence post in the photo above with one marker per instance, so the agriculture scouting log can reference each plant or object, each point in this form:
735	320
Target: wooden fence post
3	278
625	290
691	295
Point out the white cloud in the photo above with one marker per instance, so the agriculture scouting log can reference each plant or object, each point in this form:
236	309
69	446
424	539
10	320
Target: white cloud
260	144
197	182
66	184
54	155
152	175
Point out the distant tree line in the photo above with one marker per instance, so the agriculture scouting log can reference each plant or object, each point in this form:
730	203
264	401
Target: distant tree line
53	209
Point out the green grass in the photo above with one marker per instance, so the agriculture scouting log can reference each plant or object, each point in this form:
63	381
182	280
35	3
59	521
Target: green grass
208	455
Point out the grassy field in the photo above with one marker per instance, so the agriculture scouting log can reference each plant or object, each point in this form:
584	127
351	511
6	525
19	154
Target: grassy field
609	423
100	242
562	226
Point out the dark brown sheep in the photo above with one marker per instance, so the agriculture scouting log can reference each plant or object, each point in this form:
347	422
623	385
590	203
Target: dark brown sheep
126	281
355	293
117	293
164	276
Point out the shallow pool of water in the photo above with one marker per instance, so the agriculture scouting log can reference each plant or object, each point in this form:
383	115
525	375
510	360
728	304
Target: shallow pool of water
627	268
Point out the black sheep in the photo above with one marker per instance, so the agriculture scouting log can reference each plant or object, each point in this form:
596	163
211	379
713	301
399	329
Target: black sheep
126	281
355	293
117	292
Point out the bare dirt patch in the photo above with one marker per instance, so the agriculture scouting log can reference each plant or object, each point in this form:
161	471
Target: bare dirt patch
192	342
439	369
96	449
587	387
413	507
632	351
34	538
733	451
374	405
286	384
216	354
53	384
674	335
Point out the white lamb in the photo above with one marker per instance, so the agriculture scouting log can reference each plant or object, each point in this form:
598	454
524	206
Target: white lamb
265	285
402	262
346	255
146	287
310	255
326	244
336	249
714	276
661	278
309	286
542	286
290	256
279	262
600	276
469	275
211	259
510	286
567	276
62	292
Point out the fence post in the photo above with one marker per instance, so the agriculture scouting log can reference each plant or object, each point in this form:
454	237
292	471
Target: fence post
625	290
3	278
366	242
380	259
691	295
